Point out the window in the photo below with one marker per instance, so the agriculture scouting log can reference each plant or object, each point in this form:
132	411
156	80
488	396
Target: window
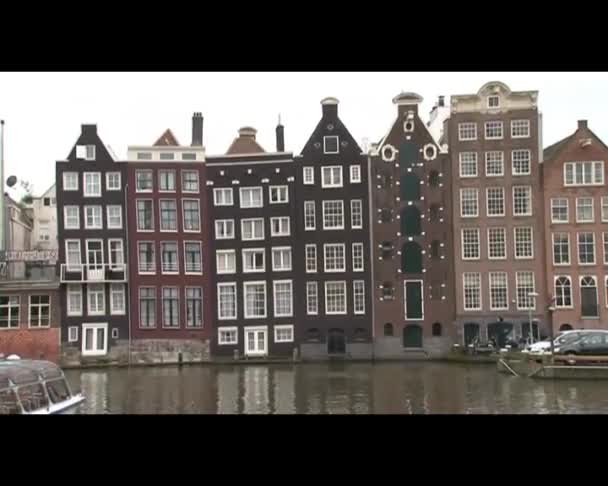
309	215
520	162
589	307
358	257
9	311
226	296
312	298
561	249
584	210
356	214
472	291
522	201
309	175
168	214
44	231
86	152
499	299
331	176
254	260
112	181
252	229
147	307
166	180
145	215
144	155
170	307
525	286
117	298
435	246
335	260
470	243
523	242
469	206
283	334
192	257
73	259
194	307
495	201
169	259
493	130
330	145
167	156
586	248
493	101
605	209
414	303
227	335
335	298
495	163
434	213
143	181
605	236
92	184
146	257
559	210
251	197
279	226
92	217
225	261
72	334
355	174
116	253
224	229
192	218
467	131
283	298
520	128
388	329
468	164
563	292
190	181
74	298
584	173
94	339
359	296
281	259
70	181
333	215
223	197
434	178
388	291
96	299
311	258
278	194
255	299
114	215
71	217
497	247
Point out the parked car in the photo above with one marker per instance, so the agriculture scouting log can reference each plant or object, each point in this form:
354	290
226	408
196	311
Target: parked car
591	343
563	338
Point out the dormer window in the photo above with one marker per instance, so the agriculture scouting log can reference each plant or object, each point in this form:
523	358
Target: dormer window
493	101
331	145
167	156
144	155
86	152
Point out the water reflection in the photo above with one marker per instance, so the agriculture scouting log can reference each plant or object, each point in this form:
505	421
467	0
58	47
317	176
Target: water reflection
386	388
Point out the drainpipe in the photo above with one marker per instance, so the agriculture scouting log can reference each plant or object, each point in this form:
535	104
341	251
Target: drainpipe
126	259
2	215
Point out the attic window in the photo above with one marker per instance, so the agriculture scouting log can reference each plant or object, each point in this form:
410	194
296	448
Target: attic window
86	152
330	145
144	155
493	101
188	156
167	156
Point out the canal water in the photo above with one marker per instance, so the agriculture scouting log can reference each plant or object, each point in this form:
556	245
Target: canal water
380	388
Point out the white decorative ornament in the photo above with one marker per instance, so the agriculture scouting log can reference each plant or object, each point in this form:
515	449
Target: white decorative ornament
430	151
389	153
408	125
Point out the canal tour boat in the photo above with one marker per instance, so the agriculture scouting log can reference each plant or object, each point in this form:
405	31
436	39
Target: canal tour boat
30	387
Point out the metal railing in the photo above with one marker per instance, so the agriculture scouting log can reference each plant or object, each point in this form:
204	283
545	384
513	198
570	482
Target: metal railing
93	272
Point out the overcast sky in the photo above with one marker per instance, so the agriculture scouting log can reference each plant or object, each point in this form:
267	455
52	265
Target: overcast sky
43	111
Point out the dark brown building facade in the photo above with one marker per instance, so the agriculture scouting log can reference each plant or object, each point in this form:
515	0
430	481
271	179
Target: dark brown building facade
412	248
334	311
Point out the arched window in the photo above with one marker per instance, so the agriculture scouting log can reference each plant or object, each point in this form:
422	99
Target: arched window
411	258
565	327
412	336
388	291
313	334
435	245
410	187
388	329
437	329
408	155
563	292
387	250
589	306
410	221
434	213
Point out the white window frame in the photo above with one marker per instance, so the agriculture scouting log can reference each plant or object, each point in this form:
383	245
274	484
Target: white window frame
308	175
462	127
504	243
113	310
343	284
73	334
358	268
219	196
250	202
553	249
525	124
162	306
531	299
502	163
139	230
281	268
310	296
71	291
578	205
198	182
513	171
506	287
605	244
144	171
94	326
488	126
231	317
250	284
283	327
405	282
279	190
462	243
557	306
464	294
307	206
597	295
355	174
70	265
200	252
333	228
307	259
529	257
222	254
462	190
493	97
325	138
326	247
252	221
108	208
593	172
139	301
227	329
530	205
66	187
110	187
578	250
194	324
85	193
274	298
331	183
116	265
198	207
100	210
502	192
139	263
553	205
223	223
462	163
167	171
247	251
280	219
66	219
40	324
361	291
162	270
103	292
353	204
160	216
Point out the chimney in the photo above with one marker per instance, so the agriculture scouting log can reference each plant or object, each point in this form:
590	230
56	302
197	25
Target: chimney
280	137
88	129
197	129
330	106
442	101
582	124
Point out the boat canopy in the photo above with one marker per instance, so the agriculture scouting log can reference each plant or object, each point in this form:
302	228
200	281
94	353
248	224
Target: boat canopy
22	372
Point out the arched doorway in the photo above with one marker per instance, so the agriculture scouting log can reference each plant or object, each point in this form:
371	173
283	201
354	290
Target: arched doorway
336	341
471	332
565	327
500	332
412	336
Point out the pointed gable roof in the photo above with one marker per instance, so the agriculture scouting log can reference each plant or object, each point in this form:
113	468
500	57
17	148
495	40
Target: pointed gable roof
167	139
553	150
245	143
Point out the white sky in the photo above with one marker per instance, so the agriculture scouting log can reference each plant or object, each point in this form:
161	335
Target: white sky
43	111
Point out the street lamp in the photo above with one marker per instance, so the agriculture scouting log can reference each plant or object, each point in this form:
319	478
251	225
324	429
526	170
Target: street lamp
534	295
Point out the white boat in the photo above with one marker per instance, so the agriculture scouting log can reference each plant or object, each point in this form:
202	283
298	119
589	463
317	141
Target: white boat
30	387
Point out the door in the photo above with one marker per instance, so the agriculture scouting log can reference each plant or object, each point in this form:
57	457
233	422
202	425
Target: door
336	341
256	341
94	339
95	259
500	332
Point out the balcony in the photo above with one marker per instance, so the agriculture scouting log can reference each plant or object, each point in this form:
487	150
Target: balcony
93	272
